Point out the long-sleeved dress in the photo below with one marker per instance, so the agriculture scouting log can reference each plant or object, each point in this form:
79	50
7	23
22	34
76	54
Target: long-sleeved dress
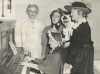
80	53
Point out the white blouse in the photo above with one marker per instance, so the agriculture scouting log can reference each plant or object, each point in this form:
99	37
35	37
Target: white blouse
29	37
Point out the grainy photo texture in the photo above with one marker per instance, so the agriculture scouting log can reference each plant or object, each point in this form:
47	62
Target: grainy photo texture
49	37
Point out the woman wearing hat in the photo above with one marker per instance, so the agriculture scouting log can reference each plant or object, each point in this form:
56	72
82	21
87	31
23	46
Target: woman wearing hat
81	50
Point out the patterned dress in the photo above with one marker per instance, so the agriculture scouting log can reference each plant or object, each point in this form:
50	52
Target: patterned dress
52	64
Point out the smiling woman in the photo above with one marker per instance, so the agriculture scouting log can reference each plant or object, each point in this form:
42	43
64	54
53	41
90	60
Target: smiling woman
32	10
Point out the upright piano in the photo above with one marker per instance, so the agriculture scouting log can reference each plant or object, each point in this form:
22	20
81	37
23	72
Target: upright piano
9	62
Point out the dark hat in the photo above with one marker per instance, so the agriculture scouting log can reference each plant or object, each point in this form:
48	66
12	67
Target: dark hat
78	5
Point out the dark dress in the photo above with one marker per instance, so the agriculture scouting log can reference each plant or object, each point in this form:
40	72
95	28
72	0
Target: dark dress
80	53
52	63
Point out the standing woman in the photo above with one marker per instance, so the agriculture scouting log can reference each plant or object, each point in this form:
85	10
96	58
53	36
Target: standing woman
81	50
52	63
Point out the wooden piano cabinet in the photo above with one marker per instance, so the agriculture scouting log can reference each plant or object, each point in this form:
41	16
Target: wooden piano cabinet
14	64
6	34
8	60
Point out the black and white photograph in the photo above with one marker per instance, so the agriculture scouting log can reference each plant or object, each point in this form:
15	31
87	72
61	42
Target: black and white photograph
49	37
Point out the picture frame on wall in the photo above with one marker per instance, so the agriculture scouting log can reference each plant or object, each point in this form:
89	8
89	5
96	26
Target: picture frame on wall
6	8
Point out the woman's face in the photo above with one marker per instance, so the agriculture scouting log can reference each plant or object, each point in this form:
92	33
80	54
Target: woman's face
74	14
32	12
66	19
56	18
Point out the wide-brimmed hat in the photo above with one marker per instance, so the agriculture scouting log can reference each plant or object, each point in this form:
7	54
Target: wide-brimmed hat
78	5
